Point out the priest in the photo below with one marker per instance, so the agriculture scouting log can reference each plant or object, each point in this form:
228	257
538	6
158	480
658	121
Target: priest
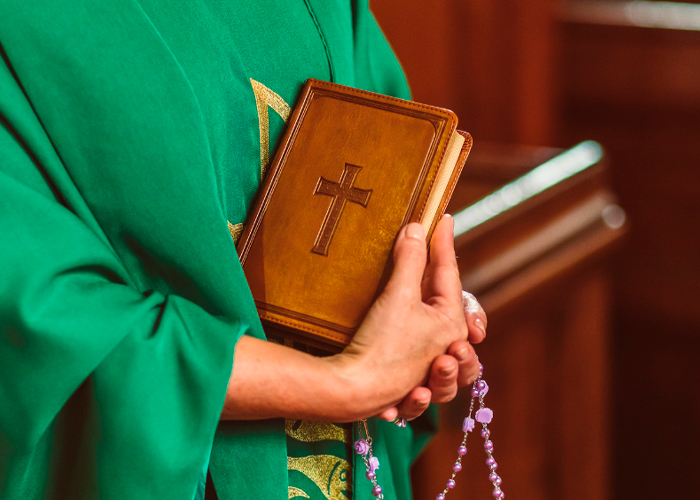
133	138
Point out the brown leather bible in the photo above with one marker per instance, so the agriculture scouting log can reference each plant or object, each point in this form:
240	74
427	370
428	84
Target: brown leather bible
352	168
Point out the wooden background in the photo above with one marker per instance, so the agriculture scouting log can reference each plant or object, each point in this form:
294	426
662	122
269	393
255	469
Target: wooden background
553	73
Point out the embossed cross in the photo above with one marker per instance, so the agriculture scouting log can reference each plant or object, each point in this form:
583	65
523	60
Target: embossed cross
342	192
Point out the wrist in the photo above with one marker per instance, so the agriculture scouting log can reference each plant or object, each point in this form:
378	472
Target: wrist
357	396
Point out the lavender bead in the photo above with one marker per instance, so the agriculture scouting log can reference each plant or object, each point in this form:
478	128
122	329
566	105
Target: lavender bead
498	494
475	392
491	462
485	433
377	490
462	451
457	467
370	475
440	497
484	415
468	424
361	447
488	445
498	481
451	483
492	477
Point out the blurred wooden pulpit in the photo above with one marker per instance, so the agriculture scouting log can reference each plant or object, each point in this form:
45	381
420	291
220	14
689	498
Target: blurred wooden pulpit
533	227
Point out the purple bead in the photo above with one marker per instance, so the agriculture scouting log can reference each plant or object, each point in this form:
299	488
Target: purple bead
451	483
498	494
484	415
468	425
485	433
361	447
498	481
492	477
475	392
491	462
370	475
457	467
462	451
377	490
440	497
488	445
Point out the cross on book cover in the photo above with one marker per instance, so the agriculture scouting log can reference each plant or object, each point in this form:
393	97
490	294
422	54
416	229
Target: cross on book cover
351	169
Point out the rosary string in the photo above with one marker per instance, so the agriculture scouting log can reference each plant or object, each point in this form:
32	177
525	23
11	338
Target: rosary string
484	415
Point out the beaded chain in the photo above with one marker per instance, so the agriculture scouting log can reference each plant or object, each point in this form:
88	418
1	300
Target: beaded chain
483	415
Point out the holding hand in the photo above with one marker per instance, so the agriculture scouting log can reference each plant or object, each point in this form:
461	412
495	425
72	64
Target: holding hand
460	366
414	335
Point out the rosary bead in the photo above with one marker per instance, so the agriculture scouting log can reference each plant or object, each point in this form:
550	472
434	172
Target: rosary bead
468	425
484	415
498	494
440	497
482	388
491	462
457	467
451	483
488	445
485	433
475	392
377	490
493	477
370	475
361	447
462	451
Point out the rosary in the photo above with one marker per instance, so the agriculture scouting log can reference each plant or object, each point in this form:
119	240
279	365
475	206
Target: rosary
483	415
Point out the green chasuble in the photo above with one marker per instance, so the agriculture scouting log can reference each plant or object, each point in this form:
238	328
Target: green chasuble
133	137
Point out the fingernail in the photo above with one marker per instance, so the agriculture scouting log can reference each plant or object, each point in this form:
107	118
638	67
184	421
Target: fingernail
415	230
480	325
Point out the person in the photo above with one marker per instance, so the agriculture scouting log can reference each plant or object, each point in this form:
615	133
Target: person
132	141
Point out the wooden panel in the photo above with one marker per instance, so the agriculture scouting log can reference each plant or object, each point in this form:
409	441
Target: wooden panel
539	270
637	91
490	62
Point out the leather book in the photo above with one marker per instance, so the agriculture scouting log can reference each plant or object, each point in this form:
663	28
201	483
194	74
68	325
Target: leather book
351	169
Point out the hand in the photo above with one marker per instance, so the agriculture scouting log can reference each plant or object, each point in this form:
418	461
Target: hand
404	336
460	366
417	319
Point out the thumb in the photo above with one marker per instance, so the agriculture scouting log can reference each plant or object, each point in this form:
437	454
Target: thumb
410	255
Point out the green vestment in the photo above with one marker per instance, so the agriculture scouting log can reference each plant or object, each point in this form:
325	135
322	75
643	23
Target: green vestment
130	145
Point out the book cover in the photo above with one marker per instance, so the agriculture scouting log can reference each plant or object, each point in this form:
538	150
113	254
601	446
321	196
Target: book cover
351	169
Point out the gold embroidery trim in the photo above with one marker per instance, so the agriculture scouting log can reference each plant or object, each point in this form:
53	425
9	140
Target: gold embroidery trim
312	432
236	231
295	492
264	98
329	473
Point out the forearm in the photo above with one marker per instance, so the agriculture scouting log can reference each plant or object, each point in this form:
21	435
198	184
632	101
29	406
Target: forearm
270	380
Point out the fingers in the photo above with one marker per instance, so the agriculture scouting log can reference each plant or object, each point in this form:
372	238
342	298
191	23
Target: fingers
390	414
444	275
467	361
475	317
410	408
443	378
410	257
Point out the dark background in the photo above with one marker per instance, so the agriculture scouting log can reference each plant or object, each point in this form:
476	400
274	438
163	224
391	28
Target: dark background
554	73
